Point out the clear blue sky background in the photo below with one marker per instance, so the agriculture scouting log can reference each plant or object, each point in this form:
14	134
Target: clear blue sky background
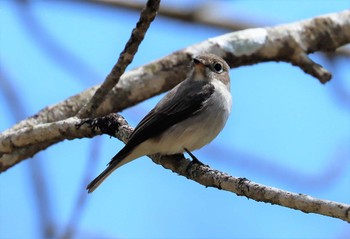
286	129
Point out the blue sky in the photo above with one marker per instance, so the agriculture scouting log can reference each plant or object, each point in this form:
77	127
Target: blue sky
286	129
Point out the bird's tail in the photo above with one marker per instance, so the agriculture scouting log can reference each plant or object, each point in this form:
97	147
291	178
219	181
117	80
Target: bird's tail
100	178
118	160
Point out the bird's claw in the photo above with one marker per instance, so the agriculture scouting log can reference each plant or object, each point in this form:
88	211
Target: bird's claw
195	160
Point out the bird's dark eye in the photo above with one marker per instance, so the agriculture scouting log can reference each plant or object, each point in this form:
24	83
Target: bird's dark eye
218	67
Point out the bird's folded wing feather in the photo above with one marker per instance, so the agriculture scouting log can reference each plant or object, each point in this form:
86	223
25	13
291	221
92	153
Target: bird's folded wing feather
181	103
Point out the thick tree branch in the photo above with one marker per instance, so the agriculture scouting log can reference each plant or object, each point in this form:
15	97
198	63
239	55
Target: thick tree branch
116	126
39	137
147	16
55	131
290	43
324	33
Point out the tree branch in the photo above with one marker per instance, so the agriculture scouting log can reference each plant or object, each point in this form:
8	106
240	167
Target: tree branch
147	16
238	48
39	137
55	131
116	126
261	193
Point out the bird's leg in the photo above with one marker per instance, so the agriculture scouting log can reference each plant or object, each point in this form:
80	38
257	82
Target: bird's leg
194	158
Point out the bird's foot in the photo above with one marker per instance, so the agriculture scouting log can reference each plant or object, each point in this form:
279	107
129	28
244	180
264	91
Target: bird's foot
195	160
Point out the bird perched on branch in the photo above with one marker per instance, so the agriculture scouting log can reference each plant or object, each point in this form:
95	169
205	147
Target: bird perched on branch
187	118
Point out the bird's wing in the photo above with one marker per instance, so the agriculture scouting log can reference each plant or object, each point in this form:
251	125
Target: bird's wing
181	103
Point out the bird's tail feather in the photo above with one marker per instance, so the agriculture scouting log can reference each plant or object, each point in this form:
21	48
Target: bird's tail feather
116	162
100	178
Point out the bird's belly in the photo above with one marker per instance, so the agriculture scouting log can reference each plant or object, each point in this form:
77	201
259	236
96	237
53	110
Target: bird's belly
192	134
196	131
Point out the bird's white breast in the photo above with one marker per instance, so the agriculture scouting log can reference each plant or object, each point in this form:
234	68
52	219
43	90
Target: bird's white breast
197	131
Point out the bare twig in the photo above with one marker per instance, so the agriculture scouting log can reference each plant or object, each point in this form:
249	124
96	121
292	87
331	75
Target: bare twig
309	66
147	16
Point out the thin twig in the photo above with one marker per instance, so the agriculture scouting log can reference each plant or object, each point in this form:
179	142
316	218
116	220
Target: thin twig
310	67
147	16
